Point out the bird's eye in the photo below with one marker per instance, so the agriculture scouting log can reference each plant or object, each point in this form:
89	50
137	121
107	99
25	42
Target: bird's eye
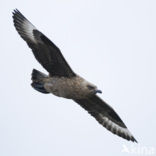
90	87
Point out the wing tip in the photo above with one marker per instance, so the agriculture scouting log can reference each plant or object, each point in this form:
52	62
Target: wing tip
134	140
16	12
23	26
18	18
128	137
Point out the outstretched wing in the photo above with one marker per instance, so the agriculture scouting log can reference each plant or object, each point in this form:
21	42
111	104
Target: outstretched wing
106	116
48	55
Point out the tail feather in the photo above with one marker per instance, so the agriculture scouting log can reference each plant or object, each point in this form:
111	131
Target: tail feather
37	81
37	75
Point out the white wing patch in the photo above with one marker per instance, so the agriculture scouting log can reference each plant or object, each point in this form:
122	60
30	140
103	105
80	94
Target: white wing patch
28	30
113	127
24	27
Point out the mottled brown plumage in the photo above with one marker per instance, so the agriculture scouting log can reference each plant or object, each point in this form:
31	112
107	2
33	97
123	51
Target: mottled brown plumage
71	88
63	82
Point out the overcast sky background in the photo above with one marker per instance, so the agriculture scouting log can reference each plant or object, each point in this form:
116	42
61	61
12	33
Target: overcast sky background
110	43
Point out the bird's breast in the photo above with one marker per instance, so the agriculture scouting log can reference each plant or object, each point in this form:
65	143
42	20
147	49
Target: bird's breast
71	88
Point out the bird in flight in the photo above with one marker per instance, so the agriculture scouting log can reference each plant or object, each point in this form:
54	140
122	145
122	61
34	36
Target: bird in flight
62	81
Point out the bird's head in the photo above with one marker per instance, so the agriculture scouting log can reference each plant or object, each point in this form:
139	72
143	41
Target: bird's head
93	89
87	88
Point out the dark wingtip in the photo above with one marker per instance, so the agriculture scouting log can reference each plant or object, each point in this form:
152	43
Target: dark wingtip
133	139
15	11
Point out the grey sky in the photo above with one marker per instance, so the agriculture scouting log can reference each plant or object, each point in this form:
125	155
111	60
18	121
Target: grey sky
111	44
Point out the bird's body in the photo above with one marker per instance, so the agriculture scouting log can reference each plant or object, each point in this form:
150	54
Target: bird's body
63	82
70	88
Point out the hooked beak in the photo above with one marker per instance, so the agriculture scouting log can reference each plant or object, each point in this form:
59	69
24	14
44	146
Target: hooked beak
98	91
